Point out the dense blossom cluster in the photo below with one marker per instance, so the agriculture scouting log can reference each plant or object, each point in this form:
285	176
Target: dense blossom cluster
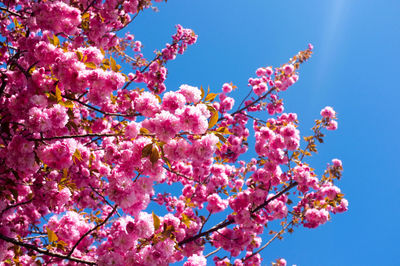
83	153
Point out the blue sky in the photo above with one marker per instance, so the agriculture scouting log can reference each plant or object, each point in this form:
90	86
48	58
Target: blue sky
354	69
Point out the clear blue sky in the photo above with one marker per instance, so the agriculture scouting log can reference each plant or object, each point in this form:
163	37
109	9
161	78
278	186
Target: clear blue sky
354	69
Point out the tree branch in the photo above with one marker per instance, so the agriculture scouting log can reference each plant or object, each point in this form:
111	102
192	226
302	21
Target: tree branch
15	205
12	12
92	230
231	221
44	251
97	109
78	136
89	6
252	104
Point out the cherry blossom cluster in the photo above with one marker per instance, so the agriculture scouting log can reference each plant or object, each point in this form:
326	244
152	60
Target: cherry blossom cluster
85	157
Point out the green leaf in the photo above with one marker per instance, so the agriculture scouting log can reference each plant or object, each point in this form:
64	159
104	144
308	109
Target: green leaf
67	104
147	150
85	16
56	41
213	119
144	131
51	235
90	65
224	130
14	192
166	160
102	51
156	222
210	97
186	220
155	155
113	65
58	94
77	155
79	55
221	138
65	173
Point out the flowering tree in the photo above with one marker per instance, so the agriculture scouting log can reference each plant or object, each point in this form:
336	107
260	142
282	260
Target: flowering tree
83	145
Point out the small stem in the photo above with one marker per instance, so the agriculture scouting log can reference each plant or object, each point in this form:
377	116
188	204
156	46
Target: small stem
176	173
255	118
148	65
91	230
208	217
252	104
89	6
15	205
34	237
269	242
105	200
213	252
244	99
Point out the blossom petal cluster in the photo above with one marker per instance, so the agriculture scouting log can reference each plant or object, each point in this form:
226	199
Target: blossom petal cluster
88	149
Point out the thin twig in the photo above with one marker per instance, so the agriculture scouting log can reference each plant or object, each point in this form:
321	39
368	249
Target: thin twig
89	6
105	200
15	205
141	71
137	13
208	217
176	173
244	99
92	230
34	237
269	242
250	105
147	66
12	12
212	252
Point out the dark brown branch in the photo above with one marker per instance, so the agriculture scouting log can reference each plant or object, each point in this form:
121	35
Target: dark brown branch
92	230
11	12
215	228
204	223
34	237
105	200
141	71
126	24
255	118
89	6
252	104
275	197
231	221
176	173
148	65
77	136
245	98
44	251
15	205
97	109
